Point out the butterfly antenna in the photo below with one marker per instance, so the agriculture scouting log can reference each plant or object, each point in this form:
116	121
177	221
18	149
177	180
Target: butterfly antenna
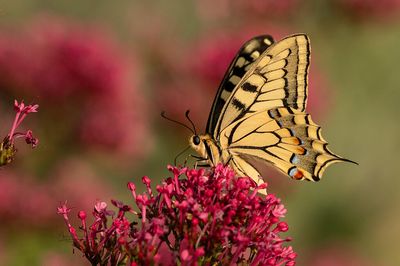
191	122
179	154
180	123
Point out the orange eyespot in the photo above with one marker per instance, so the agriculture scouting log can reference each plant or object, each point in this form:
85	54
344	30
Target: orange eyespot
296	173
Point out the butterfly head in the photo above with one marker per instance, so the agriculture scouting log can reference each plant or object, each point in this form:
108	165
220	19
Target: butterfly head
197	142
206	147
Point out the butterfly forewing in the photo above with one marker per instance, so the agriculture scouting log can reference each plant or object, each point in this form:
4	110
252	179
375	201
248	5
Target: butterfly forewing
247	54
278	78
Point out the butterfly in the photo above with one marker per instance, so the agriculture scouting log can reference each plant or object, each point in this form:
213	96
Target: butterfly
259	113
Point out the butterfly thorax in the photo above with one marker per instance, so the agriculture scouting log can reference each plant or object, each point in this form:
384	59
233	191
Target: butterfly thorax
207	148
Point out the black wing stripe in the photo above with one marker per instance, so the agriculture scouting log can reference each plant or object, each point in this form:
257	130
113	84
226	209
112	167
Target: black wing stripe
249	87
243	60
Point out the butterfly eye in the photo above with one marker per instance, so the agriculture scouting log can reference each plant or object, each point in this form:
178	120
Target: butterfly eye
196	140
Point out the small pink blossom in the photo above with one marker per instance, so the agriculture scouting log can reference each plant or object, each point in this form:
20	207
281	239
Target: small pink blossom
279	211
7	147
100	206
63	209
29	139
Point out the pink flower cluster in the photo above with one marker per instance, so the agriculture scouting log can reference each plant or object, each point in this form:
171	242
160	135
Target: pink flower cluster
81	72
7	147
198	217
54	60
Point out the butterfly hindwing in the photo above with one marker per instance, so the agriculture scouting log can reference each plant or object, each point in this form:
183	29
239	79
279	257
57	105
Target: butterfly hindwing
243	167
242	62
277	79
285	137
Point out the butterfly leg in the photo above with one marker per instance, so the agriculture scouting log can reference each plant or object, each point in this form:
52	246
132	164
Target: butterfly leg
200	161
197	157
203	164
192	156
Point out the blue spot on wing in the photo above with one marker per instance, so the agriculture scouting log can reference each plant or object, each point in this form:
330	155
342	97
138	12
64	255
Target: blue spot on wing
292	171
295	159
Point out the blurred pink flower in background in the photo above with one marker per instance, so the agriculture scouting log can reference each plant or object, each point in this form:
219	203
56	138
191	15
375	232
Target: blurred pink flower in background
54	59
370	9
173	98
25	201
209	56
78	71
116	124
77	181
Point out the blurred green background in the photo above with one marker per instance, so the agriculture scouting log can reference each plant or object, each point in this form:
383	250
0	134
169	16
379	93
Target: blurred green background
103	71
